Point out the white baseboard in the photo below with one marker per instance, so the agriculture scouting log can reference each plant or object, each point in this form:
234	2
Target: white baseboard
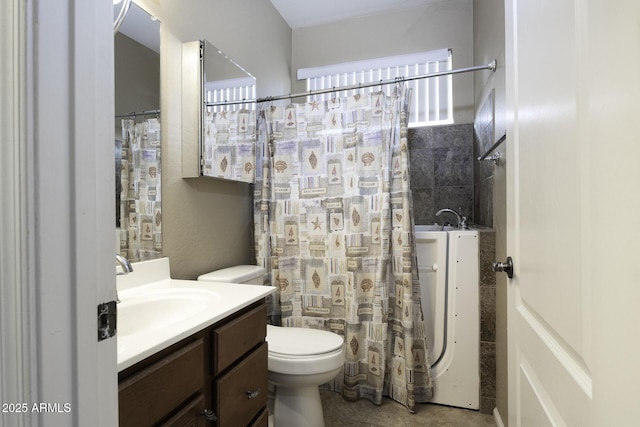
497	418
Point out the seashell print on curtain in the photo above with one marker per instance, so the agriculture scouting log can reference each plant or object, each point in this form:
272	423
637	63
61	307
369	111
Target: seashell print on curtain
334	227
229	144
140	199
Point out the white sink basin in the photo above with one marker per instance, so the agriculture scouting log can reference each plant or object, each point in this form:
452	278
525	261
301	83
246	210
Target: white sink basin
162	308
156	311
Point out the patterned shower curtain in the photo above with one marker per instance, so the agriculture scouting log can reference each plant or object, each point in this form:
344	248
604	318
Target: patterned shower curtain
229	144
140	197
334	227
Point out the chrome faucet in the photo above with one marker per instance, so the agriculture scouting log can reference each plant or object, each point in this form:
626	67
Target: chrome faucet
125	264
461	220
126	269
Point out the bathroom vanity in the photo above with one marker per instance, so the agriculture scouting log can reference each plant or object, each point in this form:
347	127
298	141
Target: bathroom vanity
213	372
218	374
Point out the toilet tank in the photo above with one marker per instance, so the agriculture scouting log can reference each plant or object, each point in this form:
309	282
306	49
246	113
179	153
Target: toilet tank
247	274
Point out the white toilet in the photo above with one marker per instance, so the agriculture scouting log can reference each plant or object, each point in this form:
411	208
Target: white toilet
300	359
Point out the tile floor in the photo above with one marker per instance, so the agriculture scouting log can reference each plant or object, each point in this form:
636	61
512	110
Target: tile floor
338	413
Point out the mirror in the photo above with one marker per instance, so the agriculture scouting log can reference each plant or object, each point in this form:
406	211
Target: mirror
137	130
219	122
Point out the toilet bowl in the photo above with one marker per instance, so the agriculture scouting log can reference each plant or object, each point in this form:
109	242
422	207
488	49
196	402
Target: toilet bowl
299	360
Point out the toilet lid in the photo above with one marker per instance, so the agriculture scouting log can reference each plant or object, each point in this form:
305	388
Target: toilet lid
235	274
301	341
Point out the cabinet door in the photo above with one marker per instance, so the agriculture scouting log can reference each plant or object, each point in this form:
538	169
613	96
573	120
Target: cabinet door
190	415
150	395
241	393
261	420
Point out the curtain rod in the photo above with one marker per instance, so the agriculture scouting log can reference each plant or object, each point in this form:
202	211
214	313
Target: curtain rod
139	113
490	66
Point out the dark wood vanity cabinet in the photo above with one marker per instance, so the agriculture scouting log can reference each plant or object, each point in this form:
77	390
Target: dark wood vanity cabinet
216	377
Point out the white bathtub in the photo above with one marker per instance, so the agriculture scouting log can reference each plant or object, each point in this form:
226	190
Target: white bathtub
448	268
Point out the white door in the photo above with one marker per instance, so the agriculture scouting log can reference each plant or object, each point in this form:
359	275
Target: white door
573	101
58	216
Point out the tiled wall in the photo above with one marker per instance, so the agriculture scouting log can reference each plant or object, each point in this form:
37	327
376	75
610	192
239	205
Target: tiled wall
483	174
441	171
484	137
444	174
487	322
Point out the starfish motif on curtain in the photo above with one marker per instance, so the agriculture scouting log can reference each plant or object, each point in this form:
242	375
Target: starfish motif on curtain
317	224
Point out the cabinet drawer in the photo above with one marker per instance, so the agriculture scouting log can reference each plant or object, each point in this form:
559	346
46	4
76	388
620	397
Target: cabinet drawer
241	393
234	339
150	395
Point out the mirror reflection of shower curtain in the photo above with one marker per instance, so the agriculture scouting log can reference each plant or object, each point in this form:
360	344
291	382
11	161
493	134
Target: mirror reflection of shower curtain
140	200
228	147
334	227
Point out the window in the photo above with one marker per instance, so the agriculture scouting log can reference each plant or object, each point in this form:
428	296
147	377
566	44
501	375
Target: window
431	99
231	90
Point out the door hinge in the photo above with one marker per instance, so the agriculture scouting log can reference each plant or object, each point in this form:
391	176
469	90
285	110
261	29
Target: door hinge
106	320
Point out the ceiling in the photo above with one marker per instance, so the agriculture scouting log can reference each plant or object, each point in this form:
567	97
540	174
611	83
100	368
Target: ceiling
307	13
297	13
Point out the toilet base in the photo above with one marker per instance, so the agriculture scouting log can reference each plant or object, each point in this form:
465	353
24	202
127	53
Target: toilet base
295	407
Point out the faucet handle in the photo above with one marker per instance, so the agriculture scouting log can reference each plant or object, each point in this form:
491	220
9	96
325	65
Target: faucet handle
462	225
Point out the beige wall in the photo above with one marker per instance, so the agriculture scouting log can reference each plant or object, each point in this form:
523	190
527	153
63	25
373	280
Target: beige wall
489	43
207	223
443	24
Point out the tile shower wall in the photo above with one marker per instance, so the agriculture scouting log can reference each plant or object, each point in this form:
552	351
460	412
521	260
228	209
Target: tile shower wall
444	174
441	171
483	175
487	249
484	137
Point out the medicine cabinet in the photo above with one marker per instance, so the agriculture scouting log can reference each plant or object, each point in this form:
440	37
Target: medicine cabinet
218	115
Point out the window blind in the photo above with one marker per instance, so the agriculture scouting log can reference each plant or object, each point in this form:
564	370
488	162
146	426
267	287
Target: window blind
431	99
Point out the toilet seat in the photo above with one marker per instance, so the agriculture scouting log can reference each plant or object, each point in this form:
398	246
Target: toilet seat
302	351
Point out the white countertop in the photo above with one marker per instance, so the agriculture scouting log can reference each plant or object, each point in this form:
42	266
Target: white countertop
156	311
